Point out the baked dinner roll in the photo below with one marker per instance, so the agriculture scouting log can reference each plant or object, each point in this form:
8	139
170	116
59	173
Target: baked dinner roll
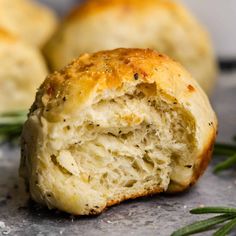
163	25
112	126
28	20
22	70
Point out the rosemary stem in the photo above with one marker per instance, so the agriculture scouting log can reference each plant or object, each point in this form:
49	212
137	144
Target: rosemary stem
207	210
202	225
223	231
226	164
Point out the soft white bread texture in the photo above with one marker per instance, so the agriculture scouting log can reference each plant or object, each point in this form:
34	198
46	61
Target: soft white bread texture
112	126
22	71
28	20
163	25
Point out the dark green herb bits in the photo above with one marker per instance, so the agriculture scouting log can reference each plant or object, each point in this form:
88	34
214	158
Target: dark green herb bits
136	76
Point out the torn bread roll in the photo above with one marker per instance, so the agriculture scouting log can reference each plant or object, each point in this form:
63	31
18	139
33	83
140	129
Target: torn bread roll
163	25
112	126
29	20
22	70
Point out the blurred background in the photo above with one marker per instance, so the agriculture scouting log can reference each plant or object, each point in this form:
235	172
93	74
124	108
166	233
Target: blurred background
218	16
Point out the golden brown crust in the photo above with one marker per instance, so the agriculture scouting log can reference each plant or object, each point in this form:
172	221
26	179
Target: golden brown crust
199	167
6	35
144	193
204	160
102	70
91	7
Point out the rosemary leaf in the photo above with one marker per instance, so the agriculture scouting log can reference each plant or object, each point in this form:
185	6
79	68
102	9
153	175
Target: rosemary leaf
209	210
202	225
225	146
14	113
7	118
226	164
227	228
224	149
223	152
11	125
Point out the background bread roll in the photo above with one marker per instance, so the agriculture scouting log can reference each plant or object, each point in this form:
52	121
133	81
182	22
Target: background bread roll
163	25
115	125
27	19
22	70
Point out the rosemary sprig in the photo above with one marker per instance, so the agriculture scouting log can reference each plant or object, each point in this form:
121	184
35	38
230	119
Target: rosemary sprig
227	216
11	125
226	228
228	163
223	149
207	210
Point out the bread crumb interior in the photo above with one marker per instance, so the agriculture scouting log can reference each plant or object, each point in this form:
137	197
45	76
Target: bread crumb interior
127	143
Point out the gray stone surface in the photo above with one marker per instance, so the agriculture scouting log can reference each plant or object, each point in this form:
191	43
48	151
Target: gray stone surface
157	215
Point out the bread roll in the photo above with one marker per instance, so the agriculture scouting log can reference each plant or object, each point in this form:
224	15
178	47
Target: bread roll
163	25
22	71
112	126
28	20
